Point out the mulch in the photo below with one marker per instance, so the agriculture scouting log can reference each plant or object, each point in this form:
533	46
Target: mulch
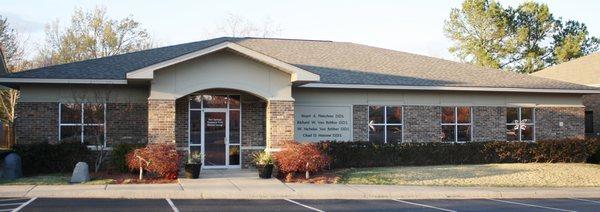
325	177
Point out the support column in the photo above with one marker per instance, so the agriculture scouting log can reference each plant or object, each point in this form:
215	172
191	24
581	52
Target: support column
161	120
280	122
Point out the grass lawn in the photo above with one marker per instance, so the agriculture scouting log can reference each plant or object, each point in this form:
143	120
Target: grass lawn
500	175
50	179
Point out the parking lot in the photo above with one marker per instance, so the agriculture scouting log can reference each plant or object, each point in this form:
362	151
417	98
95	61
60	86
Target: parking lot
148	205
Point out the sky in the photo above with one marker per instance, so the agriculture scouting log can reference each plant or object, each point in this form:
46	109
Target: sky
414	26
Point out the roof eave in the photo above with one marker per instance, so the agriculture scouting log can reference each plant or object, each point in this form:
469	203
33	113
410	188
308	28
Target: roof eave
59	81
449	88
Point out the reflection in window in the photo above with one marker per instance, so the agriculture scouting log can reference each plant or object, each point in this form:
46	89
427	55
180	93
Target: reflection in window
456	124
83	122
520	124
214	101
385	124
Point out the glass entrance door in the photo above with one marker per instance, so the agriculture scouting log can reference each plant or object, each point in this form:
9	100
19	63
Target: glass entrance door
215	129
215	138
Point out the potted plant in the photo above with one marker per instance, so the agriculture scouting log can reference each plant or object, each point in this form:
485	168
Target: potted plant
193	165
263	161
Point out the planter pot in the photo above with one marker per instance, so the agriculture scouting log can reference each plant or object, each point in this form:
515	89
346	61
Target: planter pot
265	171
192	170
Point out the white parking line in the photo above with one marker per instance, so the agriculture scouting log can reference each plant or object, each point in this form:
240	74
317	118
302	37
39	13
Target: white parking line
586	200
6	200
24	204
423	205
530	205
172	205
303	205
9	204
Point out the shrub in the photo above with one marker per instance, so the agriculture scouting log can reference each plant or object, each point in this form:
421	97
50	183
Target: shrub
262	158
365	154
161	159
45	158
118	155
296	157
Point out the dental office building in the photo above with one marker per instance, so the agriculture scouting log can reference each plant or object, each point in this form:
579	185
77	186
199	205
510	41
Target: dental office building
229	97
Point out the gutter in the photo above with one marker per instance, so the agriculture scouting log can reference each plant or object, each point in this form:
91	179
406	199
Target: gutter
448	88
61	81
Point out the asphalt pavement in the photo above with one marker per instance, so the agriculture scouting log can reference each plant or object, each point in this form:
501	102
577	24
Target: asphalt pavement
149	205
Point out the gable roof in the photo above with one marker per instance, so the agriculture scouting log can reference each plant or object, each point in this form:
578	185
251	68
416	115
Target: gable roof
337	63
584	70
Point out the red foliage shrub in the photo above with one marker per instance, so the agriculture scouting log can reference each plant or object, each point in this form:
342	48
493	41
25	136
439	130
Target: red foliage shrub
296	157
161	159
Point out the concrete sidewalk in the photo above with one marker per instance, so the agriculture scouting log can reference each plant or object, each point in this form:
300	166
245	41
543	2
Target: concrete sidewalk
246	185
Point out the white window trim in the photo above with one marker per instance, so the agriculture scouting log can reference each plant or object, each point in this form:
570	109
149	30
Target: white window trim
533	123
82	124
226	110
385	124
456	124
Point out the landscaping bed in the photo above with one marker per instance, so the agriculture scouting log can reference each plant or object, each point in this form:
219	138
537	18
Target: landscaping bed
487	175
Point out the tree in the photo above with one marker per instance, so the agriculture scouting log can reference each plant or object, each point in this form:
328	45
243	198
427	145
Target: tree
572	41
480	33
523	39
238	26
92	35
13	53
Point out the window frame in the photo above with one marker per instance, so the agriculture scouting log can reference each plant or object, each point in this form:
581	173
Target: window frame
456	124
82	123
385	120
519	118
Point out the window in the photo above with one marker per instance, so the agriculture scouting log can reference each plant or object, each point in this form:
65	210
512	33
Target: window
456	124
385	124
520	124
589	122
82	122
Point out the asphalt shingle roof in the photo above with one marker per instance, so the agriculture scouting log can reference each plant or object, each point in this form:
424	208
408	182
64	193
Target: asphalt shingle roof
584	70
335	62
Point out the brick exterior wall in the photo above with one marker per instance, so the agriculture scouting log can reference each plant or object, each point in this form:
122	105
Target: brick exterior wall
489	123
360	122
547	122
181	121
126	122
280	119
161	120
253	122
422	123
592	103
36	122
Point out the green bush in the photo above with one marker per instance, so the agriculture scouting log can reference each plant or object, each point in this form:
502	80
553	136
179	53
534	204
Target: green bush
44	158
118	156
365	154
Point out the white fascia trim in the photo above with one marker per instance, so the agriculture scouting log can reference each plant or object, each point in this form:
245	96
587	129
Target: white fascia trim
61	81
446	88
298	74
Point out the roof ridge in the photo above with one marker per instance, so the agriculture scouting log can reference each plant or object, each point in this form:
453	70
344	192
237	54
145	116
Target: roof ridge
286	39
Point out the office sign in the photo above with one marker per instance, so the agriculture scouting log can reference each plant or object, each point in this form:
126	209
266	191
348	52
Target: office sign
323	123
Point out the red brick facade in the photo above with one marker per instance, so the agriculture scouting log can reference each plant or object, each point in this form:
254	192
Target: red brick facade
161	120
280	122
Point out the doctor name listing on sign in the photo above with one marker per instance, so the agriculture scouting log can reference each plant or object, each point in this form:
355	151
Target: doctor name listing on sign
323	123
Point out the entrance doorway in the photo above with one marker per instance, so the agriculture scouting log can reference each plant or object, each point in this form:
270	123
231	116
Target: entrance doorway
214	129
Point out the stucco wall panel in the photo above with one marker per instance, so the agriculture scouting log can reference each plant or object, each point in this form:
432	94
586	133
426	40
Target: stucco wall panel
221	70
